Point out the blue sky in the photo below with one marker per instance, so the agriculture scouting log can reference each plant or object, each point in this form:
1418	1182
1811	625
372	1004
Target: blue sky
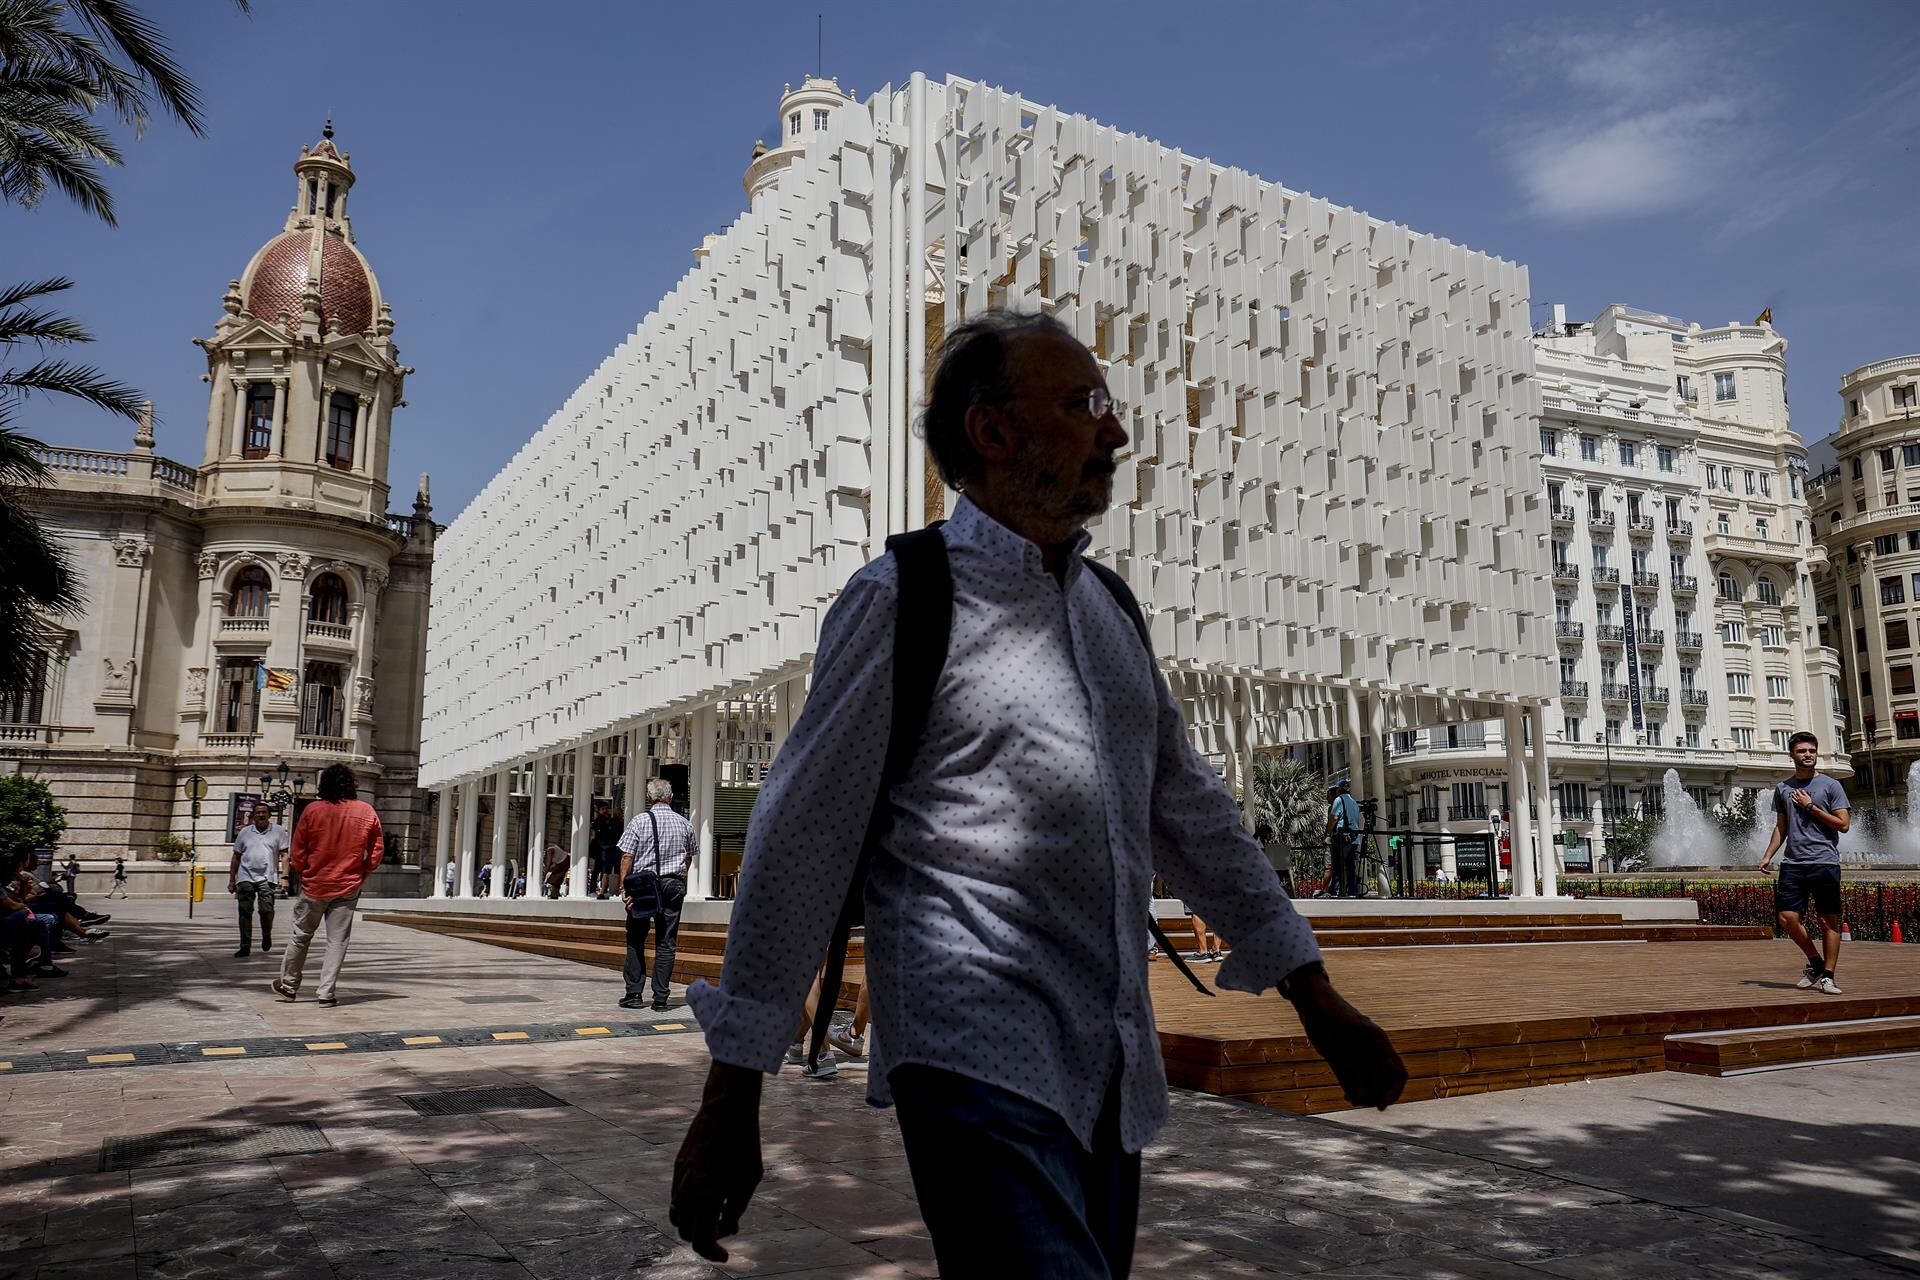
533	177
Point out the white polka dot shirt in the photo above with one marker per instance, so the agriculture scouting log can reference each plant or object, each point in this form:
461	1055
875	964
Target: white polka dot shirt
1006	910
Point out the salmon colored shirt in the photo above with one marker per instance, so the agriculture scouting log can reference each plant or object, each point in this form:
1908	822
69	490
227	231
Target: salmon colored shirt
336	844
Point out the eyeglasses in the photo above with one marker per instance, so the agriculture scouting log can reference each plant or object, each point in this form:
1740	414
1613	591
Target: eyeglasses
1100	403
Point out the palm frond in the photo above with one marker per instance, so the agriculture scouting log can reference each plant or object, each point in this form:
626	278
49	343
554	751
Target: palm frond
12	295
21	465
83	382
139	39
29	163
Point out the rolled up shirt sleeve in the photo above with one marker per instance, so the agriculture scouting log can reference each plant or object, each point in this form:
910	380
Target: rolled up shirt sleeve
1210	859
808	826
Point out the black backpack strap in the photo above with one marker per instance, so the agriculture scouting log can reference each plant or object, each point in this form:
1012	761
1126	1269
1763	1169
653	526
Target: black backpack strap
1117	585
922	627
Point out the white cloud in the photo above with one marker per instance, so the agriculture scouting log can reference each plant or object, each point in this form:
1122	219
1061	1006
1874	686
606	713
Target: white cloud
1635	125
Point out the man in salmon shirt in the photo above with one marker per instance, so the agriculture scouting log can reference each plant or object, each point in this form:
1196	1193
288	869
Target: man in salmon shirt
336	845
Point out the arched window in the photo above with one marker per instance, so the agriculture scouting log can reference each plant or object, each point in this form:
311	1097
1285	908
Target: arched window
340	414
323	704
259	439
1729	589
248	599
1769	593
328	600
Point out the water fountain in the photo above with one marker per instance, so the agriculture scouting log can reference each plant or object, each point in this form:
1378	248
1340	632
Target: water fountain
1687	837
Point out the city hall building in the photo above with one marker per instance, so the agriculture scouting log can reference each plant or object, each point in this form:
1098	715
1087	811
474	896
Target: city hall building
260	608
1332	508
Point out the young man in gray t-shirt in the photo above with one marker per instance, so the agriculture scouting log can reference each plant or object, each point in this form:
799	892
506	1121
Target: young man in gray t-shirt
1813	813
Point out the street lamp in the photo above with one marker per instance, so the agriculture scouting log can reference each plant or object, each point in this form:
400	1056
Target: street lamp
279	797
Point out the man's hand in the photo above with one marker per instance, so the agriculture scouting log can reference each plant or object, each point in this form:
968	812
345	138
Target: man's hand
1802	799
1363	1059
231	887
718	1167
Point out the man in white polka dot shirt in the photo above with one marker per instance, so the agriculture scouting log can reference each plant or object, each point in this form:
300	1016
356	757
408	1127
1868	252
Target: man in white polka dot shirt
1007	903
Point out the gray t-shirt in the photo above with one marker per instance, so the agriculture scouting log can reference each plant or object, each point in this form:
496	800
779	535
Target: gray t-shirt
1810	842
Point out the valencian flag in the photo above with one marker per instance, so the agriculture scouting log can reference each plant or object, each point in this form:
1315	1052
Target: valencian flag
275	678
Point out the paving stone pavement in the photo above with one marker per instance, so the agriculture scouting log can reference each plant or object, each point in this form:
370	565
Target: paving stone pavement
582	1192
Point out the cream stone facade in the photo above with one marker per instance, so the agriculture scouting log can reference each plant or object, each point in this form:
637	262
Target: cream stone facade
1332	509
1866	507
275	554
1684	615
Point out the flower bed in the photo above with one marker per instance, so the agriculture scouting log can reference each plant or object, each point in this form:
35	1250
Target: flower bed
1870	907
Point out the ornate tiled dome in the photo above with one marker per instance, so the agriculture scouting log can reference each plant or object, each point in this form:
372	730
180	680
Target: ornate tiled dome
278	274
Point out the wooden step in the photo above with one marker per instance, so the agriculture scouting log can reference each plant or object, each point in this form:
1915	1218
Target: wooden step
1453	920
1342	936
607	950
1722	1053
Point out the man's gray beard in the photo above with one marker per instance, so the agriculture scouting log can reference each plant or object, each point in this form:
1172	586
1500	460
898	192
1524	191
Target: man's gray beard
1039	494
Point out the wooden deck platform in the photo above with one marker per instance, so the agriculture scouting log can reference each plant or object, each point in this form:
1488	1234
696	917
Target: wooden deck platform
1724	1053
1475	1001
1476	1019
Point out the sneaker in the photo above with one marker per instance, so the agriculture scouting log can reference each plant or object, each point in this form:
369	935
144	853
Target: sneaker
1810	975
97	935
284	991
97	917
242	953
829	1066
266	948
49	970
661	1006
1215	955
327	1002
1827	986
843	1039
633	1002
1194	957
797	1053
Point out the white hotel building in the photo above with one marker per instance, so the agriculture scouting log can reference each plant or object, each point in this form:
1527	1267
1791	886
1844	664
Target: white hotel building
1684	615
1332	509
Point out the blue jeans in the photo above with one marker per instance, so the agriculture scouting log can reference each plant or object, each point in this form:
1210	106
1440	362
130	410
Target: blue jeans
1007	1191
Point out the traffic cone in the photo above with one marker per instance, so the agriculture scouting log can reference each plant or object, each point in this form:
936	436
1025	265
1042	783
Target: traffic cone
1846	932
1896	932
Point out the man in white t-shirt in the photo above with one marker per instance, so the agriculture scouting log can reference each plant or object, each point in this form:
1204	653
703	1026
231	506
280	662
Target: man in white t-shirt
254	877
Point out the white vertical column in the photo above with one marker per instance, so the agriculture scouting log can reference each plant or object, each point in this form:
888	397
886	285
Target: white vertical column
1520	802
239	418
919	131
469	834
536	861
360	404
577	886
442	841
279	445
502	811
1543	796
636	803
703	758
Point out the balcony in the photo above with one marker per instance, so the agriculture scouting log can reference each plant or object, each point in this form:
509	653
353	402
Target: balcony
1657	694
1771	549
1575	813
1609	633
1692	641
1566	573
1693	697
1466	812
1652	639
1640	524
1604	574
324	745
1615	693
1570	630
1644	581
336	631
1679	528
1685	585
1573	689
1564	515
227	741
1424	816
1600	519
248	627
